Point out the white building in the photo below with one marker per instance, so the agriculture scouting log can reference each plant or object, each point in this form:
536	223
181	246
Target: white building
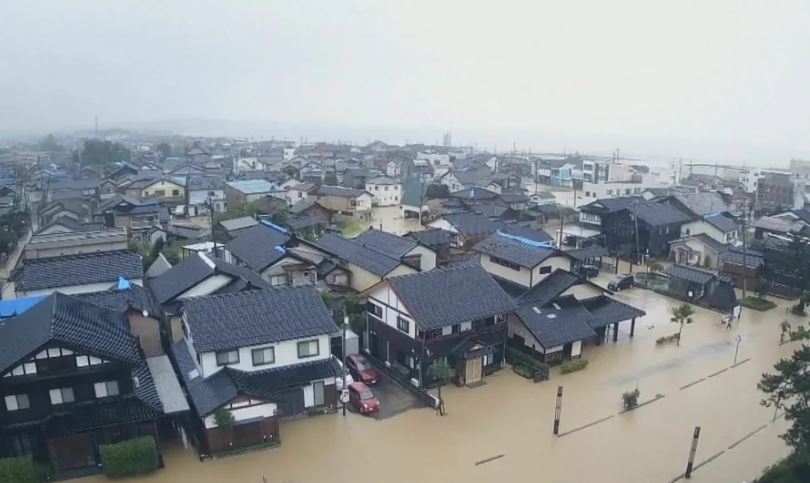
385	191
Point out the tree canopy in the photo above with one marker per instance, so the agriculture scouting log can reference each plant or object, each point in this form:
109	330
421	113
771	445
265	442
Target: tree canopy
97	152
789	388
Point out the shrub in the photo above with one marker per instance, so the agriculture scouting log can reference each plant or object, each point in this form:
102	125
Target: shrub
538	370
132	457
223	418
524	371
668	339
789	470
573	366
799	334
757	303
630	399
18	470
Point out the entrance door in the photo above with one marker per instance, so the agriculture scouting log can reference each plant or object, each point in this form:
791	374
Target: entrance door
72	451
317	393
472	373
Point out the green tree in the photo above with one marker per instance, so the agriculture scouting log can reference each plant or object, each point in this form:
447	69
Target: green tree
50	144
98	152
223	418
165	150
330	179
789	387
762	288
681	315
655	267
441	372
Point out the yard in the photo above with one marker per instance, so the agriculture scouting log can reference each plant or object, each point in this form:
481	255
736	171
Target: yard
502	431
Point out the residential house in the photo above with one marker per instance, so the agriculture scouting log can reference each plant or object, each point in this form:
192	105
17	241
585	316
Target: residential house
643	228
592	213
346	201
384	191
136	217
73	274
408	250
720	227
702	287
414	200
519	260
75	243
697	250
263	356
438	240
299	192
457	315
75	377
365	266
66	224
775	192
167	190
249	191
205	192
744	267
236	226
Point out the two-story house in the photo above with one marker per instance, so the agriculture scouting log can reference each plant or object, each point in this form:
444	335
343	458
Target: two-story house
74	377
457	314
643	228
262	356
137	217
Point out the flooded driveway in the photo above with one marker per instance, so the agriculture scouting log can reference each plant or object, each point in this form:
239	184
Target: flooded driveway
502	431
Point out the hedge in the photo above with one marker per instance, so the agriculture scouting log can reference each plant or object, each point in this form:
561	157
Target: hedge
526	364
18	470
757	303
132	457
572	366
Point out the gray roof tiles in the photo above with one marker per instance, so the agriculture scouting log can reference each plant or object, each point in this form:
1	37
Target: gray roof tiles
515	251
353	252
256	246
385	242
254	317
82	269
565	322
444	297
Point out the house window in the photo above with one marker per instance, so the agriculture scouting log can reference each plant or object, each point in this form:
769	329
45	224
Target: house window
465	326
456	328
17	402
227	357
278	280
403	325
545	269
62	395
175	192
504	263
308	348
106	389
266	355
374	310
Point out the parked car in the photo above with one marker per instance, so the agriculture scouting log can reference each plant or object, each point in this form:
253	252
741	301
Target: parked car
589	271
361	397
621	282
362	370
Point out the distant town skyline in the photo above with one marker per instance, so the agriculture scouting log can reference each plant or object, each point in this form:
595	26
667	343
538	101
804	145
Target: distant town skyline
721	80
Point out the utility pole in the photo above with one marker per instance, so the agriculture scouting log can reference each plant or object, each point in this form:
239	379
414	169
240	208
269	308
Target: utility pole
635	217
691	462
558	411
211	214
343	355
745	253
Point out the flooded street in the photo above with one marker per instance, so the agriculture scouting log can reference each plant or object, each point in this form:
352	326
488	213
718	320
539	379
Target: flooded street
390	219
502	431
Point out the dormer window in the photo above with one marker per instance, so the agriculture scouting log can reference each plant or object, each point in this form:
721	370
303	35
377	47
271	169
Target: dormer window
227	357
17	402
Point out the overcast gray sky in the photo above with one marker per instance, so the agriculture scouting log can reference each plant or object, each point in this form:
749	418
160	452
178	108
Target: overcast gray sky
698	78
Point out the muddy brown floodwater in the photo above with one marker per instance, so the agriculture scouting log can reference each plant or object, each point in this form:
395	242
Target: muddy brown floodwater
505	425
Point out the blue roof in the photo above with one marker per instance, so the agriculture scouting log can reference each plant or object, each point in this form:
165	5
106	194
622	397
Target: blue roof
10	308
253	186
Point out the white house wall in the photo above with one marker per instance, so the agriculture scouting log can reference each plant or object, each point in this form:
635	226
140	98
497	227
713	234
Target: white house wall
286	353
75	289
206	287
385	298
521	276
428	260
517	327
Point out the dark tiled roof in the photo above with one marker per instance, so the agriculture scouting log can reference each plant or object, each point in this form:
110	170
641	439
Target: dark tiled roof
606	310
194	270
66	320
206	394
656	214
354	252
802	213
703	238
146	390
443	297
253	317
490	210
514	250
753	258
82	269
135	297
108	413
72	225
583	254
563	322
474	193
523	230
723	296
268	384
385	242
610	205
514	198
256	246
690	274
721	222
702	203
471	224
549	288
340	191
434	237
413	192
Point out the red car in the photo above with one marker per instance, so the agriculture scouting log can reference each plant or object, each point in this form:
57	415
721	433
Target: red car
361	370
361	397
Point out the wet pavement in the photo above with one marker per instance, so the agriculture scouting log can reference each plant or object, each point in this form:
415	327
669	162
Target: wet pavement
502	431
394	399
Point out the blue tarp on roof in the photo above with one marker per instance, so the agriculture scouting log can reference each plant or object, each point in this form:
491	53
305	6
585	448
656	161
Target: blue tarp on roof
11	308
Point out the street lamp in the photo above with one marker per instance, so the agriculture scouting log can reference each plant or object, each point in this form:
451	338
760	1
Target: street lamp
343	355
